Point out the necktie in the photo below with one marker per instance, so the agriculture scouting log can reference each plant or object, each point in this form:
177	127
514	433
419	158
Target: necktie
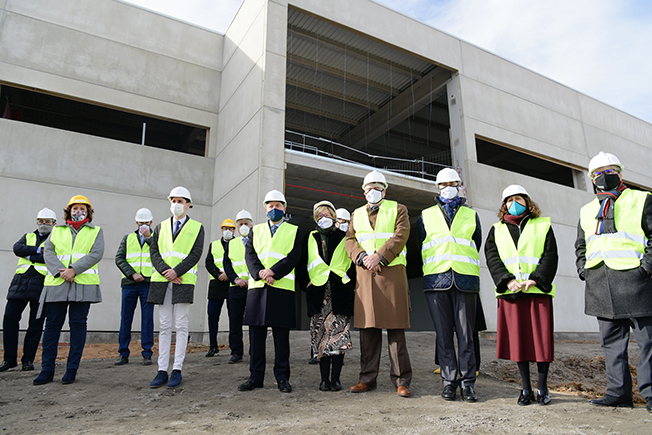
177	224
244	241
274	228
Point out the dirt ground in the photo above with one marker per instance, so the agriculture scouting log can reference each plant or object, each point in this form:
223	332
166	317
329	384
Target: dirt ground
117	400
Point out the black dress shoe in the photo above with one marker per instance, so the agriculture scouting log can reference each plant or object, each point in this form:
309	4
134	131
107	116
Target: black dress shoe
543	397
212	352
525	398
648	404
325	386
449	392
284	387
122	360
469	395
6	365
28	366
608	400
336	386
147	360
250	385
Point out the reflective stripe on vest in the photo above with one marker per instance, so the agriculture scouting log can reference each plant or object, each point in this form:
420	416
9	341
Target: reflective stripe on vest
272	249
68	253
175	251
24	263
522	261
445	248
318	270
237	257
137	256
370	239
624	249
217	250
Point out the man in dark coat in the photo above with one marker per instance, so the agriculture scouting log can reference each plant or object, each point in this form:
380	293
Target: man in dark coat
272	253
614	258
25	289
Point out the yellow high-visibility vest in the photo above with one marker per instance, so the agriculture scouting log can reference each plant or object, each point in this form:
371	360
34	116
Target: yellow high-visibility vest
24	263
174	251
318	270
137	256
237	257
624	249
68	253
445	248
217	250
521	261
272	249
370	239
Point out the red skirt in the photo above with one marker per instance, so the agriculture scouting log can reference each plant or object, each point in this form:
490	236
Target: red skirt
525	329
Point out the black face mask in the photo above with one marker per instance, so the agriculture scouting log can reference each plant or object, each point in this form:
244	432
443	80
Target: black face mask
606	182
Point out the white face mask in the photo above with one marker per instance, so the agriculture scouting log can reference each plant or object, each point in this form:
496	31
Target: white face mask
244	230
448	192
227	234
344	226
325	223
177	209
374	196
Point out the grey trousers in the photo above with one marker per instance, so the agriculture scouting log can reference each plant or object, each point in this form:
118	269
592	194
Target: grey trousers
371	342
453	311
614	335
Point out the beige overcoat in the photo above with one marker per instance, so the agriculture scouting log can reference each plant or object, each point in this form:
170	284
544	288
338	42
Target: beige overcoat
382	300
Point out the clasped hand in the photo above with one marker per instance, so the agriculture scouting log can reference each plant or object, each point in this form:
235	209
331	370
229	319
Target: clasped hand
372	262
267	275
515	286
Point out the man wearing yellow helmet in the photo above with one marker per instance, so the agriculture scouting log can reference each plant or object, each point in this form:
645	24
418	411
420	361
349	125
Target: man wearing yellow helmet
218	287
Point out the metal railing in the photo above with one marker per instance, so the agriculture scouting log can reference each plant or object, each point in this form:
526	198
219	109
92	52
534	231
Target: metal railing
426	167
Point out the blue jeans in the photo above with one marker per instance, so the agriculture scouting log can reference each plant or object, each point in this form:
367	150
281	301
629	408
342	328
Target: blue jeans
130	296
55	315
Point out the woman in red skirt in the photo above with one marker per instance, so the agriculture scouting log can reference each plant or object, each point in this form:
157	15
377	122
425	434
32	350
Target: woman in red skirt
522	258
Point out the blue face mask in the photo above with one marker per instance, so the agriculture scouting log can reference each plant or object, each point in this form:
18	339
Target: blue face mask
516	209
275	214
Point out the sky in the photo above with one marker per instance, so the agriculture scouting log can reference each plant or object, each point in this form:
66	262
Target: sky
601	48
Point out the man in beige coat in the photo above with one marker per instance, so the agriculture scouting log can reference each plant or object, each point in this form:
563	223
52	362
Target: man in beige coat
375	242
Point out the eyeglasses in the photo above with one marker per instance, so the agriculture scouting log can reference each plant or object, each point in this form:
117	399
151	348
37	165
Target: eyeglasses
606	171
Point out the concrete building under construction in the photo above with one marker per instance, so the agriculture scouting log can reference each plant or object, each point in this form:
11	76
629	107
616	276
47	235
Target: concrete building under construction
106	99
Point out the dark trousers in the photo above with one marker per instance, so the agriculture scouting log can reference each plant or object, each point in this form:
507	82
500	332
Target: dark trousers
614	335
258	336
55	315
11	326
130	296
236	307
371	342
214	311
453	312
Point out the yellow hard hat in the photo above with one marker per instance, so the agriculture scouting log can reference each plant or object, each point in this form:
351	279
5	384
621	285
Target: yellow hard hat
79	199
228	223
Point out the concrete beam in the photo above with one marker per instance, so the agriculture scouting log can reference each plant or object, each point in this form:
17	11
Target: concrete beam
334	94
410	101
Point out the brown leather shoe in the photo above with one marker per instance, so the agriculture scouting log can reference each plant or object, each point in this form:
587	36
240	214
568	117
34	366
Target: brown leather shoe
361	388
403	391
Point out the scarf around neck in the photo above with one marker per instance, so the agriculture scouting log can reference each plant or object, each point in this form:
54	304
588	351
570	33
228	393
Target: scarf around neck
451	205
77	225
606	221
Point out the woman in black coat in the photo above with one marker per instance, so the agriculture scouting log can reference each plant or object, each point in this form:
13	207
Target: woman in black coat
329	294
521	253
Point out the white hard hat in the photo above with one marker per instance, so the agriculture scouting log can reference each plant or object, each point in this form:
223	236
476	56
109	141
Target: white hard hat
275	195
144	215
374	177
447	175
343	214
243	214
320	204
180	192
604	159
46	213
514	189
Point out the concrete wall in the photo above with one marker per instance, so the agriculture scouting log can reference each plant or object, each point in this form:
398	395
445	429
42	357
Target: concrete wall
250	153
118	55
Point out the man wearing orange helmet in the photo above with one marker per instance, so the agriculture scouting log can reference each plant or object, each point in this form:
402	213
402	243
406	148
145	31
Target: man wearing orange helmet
218	287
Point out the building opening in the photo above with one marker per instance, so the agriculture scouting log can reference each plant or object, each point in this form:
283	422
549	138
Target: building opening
52	111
